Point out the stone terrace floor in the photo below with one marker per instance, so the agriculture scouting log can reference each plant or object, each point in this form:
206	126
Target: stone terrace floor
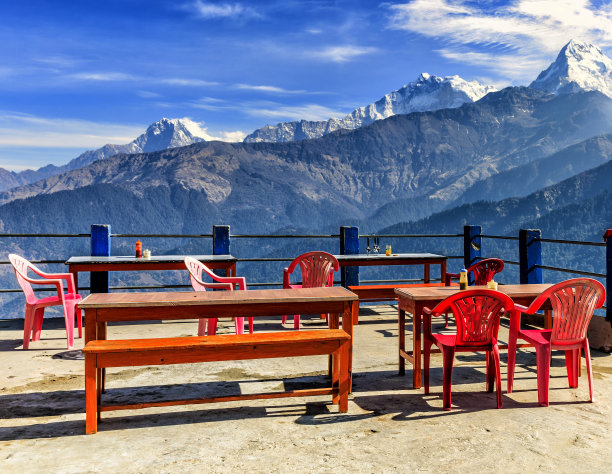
389	427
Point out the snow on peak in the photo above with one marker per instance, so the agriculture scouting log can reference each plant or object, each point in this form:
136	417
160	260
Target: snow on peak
579	66
169	133
427	92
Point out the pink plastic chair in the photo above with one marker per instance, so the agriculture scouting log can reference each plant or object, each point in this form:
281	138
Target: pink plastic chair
573	303
317	270
197	270
477	313
35	307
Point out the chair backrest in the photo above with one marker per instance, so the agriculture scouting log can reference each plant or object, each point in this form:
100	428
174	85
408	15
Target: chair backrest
317	269
573	303
21	267
197	271
485	270
477	313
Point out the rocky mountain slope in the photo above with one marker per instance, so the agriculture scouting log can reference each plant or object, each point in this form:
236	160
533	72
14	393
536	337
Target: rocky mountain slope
166	133
426	93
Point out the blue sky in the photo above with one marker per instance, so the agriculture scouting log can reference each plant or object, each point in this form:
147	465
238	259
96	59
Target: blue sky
76	75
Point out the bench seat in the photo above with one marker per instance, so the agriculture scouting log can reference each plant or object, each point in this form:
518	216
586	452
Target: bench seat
101	354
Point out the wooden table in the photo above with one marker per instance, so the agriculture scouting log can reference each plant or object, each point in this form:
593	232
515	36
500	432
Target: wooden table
372	259
413	300
161	262
101	308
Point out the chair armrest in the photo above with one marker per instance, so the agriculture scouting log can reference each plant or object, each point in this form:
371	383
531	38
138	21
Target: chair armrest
239	283
57	276
57	283
219	286
448	278
521	308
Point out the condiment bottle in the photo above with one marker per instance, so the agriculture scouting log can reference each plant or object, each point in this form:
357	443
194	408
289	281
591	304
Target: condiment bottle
463	280
138	249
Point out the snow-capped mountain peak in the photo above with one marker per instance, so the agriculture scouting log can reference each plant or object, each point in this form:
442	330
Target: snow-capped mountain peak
169	133
579	66
426	93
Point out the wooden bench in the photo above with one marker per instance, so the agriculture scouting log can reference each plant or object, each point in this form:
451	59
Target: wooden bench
100	354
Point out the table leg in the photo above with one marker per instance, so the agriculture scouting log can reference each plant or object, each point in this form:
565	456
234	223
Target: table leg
443	271
427	275
417	318
401	328
350	308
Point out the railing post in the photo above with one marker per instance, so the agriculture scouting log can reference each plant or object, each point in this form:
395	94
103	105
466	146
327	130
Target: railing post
472	247
221	243
100	247
349	245
530	255
608	242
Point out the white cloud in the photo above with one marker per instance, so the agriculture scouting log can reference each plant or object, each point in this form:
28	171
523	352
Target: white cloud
341	54
271	89
297	112
176	81
520	38
22	130
209	10
104	76
148	95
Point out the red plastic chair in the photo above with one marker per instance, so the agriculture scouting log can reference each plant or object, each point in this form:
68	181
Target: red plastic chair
573	303
197	270
35	307
317	270
483	271
477	313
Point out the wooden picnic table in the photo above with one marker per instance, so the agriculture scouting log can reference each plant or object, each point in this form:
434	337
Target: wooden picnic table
413	300
157	262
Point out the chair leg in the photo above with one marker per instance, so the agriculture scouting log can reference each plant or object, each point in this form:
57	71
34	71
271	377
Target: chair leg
572	359
39	315
543	367
448	354
587	356
212	326
512	337
202	326
296	322
69	320
27	326
239	325
497	375
250	325
490	364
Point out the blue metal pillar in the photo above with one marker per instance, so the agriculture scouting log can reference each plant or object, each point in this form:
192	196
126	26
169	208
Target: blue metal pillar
472	247
100	247
221	243
608	242
349	245
530	255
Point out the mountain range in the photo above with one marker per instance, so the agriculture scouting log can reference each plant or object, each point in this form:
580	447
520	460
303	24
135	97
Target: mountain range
426	93
166	133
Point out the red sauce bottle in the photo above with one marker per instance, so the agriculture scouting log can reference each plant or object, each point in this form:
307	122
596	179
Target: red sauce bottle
138	249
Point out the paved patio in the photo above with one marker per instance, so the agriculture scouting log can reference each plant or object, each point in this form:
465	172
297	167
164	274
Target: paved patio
389	427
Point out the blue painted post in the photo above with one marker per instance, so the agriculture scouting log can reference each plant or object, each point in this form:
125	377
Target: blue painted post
221	243
608	242
100	247
530	255
349	245
472	247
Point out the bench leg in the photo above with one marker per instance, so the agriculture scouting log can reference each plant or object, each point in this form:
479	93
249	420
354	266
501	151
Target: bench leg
91	394
344	382
335	362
